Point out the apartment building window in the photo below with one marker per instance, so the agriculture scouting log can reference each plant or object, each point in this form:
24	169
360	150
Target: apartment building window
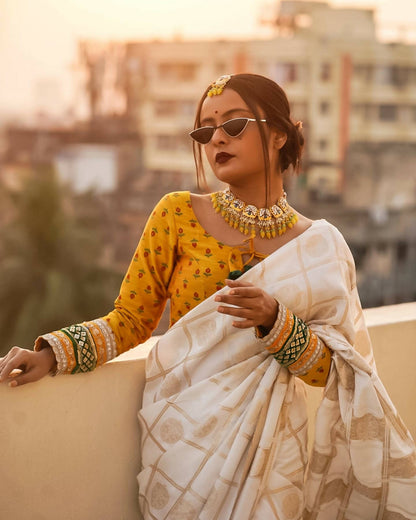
324	108
363	110
177	71
326	71
393	75
387	112
400	76
299	110
166	142
165	107
368	111
402	251
323	145
404	114
187	108
174	107
382	248
358	109
284	73
383	75
359	252
363	72
173	142
184	142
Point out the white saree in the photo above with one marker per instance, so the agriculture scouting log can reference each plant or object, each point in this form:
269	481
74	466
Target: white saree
224	426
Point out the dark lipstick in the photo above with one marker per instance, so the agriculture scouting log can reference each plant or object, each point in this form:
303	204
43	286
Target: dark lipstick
223	157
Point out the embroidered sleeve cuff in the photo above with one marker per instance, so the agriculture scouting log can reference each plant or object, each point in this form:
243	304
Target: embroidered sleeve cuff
290	338
80	348
296	347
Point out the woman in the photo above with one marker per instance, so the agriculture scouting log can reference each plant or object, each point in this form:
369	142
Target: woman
261	297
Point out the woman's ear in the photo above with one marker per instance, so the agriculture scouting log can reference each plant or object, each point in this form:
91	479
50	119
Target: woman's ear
279	140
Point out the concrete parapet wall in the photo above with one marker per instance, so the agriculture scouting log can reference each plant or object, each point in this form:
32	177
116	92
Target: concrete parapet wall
70	445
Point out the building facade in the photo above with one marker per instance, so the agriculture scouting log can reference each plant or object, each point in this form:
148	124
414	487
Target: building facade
345	85
355	95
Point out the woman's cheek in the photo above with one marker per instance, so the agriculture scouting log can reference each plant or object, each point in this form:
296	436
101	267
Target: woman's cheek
210	155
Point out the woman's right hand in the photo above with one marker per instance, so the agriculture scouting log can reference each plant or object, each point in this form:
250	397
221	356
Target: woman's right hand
20	366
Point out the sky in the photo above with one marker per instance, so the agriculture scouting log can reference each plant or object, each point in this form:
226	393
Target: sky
38	37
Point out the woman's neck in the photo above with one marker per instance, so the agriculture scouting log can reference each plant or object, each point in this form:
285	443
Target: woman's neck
257	196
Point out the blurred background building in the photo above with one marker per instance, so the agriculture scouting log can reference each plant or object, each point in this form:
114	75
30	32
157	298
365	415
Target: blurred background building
355	95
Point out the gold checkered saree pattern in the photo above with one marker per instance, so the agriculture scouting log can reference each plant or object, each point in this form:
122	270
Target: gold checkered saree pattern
224	425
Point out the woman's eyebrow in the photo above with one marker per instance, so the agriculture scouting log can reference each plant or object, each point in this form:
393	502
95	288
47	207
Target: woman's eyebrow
226	114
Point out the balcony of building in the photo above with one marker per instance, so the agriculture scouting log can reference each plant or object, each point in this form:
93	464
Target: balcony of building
70	445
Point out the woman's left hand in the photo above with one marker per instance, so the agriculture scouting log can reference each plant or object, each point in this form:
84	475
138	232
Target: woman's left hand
254	307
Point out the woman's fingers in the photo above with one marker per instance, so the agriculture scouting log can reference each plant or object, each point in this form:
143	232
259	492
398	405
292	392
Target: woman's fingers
31	374
244	324
249	303
32	365
15	359
239	312
5	359
249	298
246	289
246	317
237	283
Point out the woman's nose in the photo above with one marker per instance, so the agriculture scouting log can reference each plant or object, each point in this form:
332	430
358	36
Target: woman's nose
219	135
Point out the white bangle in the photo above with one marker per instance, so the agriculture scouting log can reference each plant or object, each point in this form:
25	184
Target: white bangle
277	327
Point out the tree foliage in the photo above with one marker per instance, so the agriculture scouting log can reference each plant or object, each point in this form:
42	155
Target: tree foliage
51	274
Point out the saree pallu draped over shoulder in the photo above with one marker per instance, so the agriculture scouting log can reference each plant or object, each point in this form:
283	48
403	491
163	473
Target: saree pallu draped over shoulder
224	426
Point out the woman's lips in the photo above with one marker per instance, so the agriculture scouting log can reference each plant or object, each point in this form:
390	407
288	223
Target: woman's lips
223	157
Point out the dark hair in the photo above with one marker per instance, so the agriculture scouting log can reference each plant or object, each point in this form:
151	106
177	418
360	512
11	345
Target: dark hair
265	98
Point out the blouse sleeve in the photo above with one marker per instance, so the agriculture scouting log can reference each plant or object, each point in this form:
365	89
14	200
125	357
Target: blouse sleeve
296	347
137	309
335	322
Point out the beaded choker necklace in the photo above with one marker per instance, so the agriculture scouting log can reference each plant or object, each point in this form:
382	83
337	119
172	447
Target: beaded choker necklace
263	222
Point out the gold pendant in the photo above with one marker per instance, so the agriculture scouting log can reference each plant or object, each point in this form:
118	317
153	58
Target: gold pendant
253	221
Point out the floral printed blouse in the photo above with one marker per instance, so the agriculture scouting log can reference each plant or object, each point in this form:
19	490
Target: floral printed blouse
176	260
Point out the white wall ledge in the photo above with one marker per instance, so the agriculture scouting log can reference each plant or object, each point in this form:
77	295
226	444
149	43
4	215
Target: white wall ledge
70	444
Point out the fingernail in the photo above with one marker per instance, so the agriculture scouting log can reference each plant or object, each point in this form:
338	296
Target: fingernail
12	384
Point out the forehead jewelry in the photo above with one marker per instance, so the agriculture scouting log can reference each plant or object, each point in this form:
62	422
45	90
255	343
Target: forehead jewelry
218	86
253	221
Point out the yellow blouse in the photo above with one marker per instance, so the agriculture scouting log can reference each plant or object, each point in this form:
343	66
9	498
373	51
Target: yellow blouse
175	259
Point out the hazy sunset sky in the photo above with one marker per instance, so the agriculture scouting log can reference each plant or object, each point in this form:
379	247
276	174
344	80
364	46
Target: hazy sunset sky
38	37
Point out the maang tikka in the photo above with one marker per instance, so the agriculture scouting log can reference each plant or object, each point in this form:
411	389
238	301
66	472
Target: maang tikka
218	86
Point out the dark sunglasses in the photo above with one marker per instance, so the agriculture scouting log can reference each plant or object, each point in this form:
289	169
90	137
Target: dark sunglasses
233	128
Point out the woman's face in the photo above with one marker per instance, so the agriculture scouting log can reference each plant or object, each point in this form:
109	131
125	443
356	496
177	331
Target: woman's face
237	161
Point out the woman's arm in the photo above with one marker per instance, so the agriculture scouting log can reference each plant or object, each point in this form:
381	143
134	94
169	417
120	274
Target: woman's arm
288	338
137	311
